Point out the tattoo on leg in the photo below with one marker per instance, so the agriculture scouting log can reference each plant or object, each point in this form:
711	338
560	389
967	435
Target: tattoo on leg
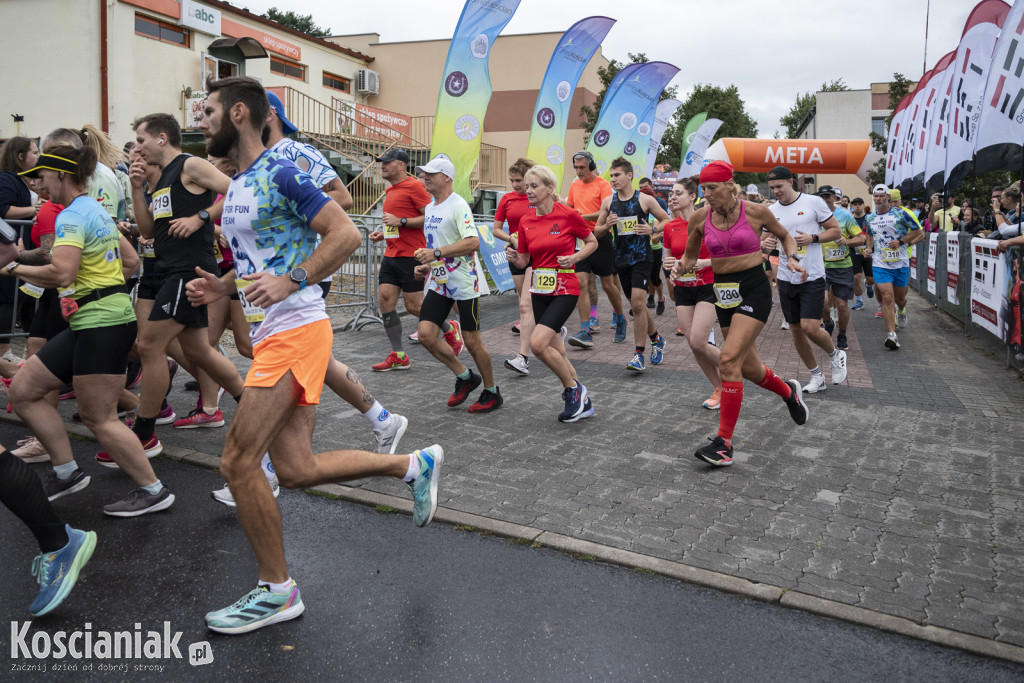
353	379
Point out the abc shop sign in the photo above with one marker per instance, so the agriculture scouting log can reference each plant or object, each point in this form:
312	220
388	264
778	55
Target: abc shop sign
200	17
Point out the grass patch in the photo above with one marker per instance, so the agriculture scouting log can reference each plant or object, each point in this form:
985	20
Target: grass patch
385	509
521	541
465	527
323	494
642	570
584	556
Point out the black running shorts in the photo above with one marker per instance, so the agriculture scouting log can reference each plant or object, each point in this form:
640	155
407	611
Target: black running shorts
171	303
93	351
400	272
754	295
553	310
803	301
435	310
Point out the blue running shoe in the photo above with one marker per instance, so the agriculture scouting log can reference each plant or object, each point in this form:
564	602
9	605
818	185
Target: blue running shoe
871	291
637	364
595	324
424	486
588	411
258	608
574	398
620	329
658	350
859	304
582	339
58	571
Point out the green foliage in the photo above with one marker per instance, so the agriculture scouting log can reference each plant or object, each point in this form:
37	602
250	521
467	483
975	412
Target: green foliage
299	22
899	87
792	120
607	74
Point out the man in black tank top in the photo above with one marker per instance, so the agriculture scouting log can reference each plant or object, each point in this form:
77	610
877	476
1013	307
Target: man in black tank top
625	213
178	220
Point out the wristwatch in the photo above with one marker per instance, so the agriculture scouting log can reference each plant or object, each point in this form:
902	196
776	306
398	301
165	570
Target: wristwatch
204	216
437	254
404	221
814	238
298	275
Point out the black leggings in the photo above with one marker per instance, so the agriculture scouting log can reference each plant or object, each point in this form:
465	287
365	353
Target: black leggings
552	310
22	493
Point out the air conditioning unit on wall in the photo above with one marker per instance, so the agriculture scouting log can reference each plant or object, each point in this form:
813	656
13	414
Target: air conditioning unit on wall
367	82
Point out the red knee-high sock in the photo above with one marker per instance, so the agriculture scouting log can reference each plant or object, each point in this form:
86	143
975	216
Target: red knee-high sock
775	385
729	410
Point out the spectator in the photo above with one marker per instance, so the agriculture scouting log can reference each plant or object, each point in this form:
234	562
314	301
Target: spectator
970	218
1008	214
990	216
943	213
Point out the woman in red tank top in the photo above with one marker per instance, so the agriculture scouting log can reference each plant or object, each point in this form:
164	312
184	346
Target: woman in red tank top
743	298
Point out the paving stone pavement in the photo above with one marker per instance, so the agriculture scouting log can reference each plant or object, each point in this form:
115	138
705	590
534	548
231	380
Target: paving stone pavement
903	494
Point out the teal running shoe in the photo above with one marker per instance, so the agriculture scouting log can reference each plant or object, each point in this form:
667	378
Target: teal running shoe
58	571
620	328
424	486
658	350
258	608
637	364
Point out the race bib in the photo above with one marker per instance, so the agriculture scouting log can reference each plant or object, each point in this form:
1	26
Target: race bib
391	232
801	251
544	281
689	276
148	251
627	225
728	294
579	244
216	252
890	255
253	313
835	253
161	204
32	290
439	272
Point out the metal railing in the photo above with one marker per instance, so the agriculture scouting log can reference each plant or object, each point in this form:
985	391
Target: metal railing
18	299
354	285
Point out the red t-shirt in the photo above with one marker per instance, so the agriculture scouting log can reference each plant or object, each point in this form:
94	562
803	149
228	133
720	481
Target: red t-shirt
512	207
405	199
46	222
676	234
547	237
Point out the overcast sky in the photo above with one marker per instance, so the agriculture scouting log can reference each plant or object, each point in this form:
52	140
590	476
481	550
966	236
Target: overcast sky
769	50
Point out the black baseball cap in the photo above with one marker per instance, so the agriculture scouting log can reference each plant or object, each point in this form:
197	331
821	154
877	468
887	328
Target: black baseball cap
825	189
780	173
856	200
392	155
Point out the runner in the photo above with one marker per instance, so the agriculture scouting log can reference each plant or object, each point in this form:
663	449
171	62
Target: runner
839	268
863	278
274	213
626	213
86	264
447	260
404	203
512	207
802	295
731	229
890	231
547	239
694	293
586	193
657	286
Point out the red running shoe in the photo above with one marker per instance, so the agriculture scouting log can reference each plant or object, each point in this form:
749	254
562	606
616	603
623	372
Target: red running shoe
151	446
454	337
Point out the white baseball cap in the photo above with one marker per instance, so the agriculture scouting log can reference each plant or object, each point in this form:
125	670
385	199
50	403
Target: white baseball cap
752	189
880	189
438	164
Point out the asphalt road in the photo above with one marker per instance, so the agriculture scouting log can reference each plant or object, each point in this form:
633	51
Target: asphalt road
388	602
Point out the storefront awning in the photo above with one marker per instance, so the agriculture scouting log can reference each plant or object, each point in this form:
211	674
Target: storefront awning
249	47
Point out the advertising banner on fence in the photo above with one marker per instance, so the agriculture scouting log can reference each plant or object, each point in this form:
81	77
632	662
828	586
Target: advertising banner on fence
989	275
952	267
1015	319
933	246
492	251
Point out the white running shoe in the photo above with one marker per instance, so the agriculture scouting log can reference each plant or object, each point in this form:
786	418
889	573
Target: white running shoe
901	319
816	384
388	438
30	449
415	336
839	368
520	364
784	325
224	497
892	342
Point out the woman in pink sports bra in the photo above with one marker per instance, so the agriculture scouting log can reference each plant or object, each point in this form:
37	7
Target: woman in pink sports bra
730	229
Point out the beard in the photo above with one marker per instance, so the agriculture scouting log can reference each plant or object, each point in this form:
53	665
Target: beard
224	141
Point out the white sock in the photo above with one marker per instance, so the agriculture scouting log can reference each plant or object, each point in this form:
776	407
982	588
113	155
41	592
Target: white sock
414	469
834	354
816	371
279	588
711	337
378	416
268	467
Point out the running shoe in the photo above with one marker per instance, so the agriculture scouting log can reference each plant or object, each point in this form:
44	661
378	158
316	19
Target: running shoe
798	410
454	337
520	364
859	304
393	362
55	487
714	402
658	350
151	446
784	325
139	502
192	385
588	411
415	336
172	370
871	291
878	313
166	416
650	301
564	334
224	497
637	364
200	418
134	374
660	308
679	332
620	328
515	326
488	401
463	387
892	342
816	384
716	453
58	571
388	438
829	326
66	392
901	319
258	608
839	368
575	399
582	340
31	450
424	486
595	324
842	342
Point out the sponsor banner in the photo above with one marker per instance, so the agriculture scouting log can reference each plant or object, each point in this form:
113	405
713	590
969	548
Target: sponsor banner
200	17
466	87
952	267
1001	124
800	156
692	126
694	159
553	110
989	275
492	253
933	247
664	113
373	123
928	98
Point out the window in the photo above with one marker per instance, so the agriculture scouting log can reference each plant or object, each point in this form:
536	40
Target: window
162	31
878	126
337	82
289	69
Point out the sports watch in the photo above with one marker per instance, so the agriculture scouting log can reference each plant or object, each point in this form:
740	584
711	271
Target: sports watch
437	254
204	216
404	221
298	275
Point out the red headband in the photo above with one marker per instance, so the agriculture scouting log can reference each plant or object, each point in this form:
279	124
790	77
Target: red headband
716	172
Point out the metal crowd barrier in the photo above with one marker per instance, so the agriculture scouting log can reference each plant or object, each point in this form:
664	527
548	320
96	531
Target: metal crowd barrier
355	283
9	291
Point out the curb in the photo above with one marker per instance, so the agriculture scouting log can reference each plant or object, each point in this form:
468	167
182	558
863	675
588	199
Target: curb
706	578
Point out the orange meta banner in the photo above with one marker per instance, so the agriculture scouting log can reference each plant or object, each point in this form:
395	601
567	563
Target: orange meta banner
800	156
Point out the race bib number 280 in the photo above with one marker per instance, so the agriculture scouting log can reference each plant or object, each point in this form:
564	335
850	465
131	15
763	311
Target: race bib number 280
728	294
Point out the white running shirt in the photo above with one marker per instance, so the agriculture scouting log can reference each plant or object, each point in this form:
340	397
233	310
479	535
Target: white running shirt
806	214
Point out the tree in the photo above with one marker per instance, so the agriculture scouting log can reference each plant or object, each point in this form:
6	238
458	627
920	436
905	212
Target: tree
804	103
607	75
299	22
899	87
720	103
